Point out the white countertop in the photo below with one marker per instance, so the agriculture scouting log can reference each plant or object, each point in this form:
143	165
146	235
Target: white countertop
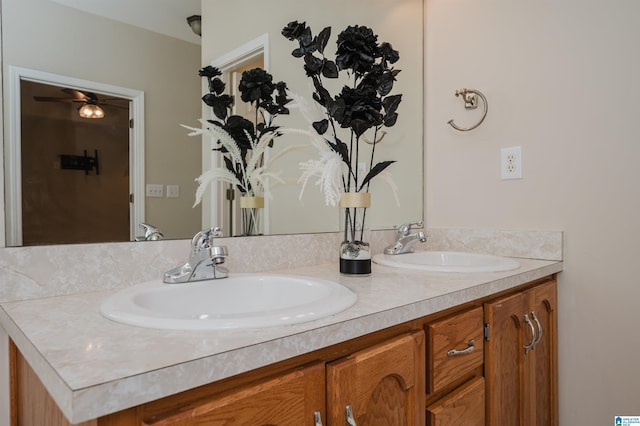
93	366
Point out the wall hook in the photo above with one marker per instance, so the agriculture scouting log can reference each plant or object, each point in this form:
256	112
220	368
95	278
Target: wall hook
470	98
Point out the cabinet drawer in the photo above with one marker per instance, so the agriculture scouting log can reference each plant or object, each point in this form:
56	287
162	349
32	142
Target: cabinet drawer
455	348
464	406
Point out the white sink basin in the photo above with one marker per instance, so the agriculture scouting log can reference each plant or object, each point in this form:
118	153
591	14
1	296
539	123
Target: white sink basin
447	261
240	301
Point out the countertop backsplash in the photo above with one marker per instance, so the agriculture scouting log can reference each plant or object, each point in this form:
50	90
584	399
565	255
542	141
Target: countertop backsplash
45	271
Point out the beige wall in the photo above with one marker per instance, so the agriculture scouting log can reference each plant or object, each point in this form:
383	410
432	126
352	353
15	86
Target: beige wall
68	42
561	80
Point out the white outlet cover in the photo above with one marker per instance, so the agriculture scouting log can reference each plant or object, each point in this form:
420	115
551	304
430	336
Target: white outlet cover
511	163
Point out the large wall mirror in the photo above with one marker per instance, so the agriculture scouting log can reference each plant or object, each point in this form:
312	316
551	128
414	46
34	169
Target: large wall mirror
146	46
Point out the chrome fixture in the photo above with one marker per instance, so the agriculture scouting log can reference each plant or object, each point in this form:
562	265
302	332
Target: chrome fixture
404	240
204	262
195	22
151	233
470	98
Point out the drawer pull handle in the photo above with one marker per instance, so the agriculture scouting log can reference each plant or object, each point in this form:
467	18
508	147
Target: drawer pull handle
350	420
470	347
532	343
317	417
535	318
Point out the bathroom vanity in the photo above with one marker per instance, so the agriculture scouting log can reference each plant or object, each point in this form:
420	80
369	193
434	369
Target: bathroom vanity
417	348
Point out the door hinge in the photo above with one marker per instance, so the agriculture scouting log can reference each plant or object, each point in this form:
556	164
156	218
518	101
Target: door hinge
131	198
487	332
131	123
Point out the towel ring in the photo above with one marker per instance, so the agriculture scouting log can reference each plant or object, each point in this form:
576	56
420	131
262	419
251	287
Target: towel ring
470	97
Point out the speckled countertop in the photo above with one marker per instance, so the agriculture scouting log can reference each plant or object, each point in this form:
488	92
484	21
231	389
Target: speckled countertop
93	366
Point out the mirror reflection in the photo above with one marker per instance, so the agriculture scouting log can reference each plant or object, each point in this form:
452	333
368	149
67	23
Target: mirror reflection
86	178
100	49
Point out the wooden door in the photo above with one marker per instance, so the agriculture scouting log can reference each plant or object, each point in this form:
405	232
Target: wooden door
506	362
75	171
379	386
464	406
544	361
290	399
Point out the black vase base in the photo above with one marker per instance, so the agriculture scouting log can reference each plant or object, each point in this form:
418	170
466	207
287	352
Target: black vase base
355	266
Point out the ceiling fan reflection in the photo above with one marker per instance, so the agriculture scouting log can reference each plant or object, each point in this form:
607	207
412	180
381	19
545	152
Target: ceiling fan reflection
90	104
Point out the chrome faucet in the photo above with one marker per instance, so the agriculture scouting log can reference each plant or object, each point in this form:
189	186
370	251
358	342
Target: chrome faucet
204	262
404	240
151	233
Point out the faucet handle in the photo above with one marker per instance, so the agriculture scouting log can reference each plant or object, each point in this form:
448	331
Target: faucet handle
405	228
150	232
204	239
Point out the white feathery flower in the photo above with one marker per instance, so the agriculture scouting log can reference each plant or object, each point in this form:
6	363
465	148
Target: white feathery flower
254	176
310	114
328	170
215	173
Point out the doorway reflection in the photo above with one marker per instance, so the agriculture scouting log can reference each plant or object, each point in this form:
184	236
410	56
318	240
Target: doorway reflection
75	170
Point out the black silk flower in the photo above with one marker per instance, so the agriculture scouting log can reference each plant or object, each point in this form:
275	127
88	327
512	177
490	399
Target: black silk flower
257	88
357	49
365	104
359	109
256	85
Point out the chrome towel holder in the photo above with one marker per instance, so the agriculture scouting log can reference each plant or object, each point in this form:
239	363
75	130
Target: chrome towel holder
470	98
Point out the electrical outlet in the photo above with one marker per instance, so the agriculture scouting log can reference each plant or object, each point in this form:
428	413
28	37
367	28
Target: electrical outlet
511	163
173	191
154	190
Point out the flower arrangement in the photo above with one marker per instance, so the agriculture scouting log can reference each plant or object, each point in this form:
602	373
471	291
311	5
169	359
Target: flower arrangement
365	106
242	142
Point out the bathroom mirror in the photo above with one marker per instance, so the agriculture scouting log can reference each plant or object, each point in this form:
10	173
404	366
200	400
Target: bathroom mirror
73	46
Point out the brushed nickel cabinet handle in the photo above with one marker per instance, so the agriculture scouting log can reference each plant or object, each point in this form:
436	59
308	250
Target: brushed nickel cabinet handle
317	417
531	344
535	318
350	420
470	347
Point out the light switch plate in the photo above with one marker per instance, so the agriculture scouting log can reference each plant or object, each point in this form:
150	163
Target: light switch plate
173	191
154	190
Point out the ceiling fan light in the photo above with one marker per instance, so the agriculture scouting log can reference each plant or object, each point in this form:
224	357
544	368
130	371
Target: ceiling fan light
194	22
91	111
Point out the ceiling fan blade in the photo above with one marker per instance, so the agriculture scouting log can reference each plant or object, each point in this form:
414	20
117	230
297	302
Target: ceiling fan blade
109	104
53	99
81	95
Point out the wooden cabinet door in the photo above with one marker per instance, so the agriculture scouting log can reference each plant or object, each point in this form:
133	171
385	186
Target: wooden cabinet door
380	386
521	358
544	361
505	362
464	406
290	399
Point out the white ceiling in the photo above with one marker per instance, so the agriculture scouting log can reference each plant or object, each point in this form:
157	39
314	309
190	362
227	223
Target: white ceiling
163	16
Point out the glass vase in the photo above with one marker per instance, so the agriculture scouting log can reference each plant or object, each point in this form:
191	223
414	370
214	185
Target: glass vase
355	252
251	215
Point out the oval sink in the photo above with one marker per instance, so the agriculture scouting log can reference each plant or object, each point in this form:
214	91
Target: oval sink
240	301
447	261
